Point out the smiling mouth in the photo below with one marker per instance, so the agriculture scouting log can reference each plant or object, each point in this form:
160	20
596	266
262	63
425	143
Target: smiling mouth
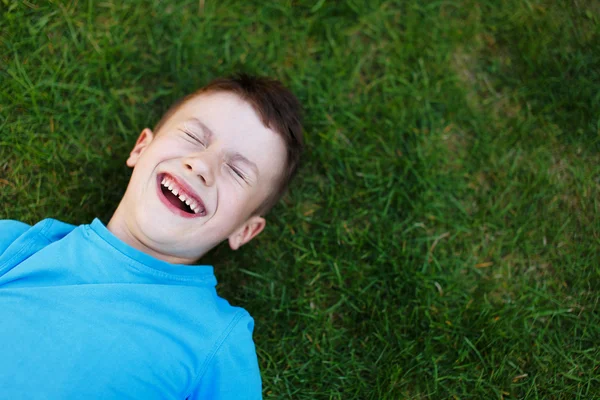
180	198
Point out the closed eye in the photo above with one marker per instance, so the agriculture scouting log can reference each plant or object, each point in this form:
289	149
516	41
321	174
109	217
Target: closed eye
193	137
237	172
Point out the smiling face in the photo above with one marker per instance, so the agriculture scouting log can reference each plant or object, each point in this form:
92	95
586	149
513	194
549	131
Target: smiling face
197	181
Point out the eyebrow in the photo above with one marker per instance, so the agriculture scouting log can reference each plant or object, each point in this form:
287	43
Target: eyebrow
234	156
205	129
238	157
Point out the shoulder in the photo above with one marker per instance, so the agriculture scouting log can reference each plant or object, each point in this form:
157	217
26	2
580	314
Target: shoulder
15	235
241	326
237	333
52	229
232	372
238	348
11	229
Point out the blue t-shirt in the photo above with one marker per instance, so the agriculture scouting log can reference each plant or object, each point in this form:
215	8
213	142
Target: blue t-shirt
85	316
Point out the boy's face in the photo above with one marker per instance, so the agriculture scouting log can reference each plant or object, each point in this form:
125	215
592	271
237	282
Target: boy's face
213	151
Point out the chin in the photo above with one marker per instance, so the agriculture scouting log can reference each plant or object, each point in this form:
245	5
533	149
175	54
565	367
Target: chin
155	227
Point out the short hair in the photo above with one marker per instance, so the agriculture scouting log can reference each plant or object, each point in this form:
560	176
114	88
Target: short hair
278	110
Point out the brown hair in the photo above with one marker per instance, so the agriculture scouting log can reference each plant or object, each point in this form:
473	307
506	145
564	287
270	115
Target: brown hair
277	108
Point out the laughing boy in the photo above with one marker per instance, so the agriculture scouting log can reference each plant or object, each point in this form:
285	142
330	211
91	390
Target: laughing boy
123	311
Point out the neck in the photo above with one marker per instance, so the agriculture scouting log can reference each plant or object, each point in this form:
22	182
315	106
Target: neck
119	227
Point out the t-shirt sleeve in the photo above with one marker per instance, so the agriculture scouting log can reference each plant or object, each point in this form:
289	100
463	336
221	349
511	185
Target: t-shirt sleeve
233	372
10	230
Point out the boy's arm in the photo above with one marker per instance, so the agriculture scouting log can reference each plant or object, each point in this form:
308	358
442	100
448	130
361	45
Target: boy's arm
10	230
233	372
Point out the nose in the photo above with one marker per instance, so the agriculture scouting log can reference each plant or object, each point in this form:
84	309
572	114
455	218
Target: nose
203	166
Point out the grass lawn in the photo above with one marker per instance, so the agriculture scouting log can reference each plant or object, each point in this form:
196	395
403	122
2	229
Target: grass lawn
443	237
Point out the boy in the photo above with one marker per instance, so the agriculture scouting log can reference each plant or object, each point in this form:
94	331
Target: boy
116	311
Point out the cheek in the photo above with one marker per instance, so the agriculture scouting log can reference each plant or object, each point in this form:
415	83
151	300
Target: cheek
230	200
155	155
234	201
163	149
150	159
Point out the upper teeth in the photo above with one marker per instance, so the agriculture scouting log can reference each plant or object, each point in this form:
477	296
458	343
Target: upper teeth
169	184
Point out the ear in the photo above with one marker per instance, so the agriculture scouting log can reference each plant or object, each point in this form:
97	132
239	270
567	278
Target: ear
142	142
247	232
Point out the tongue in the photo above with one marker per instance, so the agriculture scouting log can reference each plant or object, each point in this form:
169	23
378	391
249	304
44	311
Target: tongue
175	201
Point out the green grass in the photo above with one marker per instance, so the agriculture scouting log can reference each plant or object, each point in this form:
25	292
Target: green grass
443	238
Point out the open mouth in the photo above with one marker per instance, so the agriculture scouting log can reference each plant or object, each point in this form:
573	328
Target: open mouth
179	198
